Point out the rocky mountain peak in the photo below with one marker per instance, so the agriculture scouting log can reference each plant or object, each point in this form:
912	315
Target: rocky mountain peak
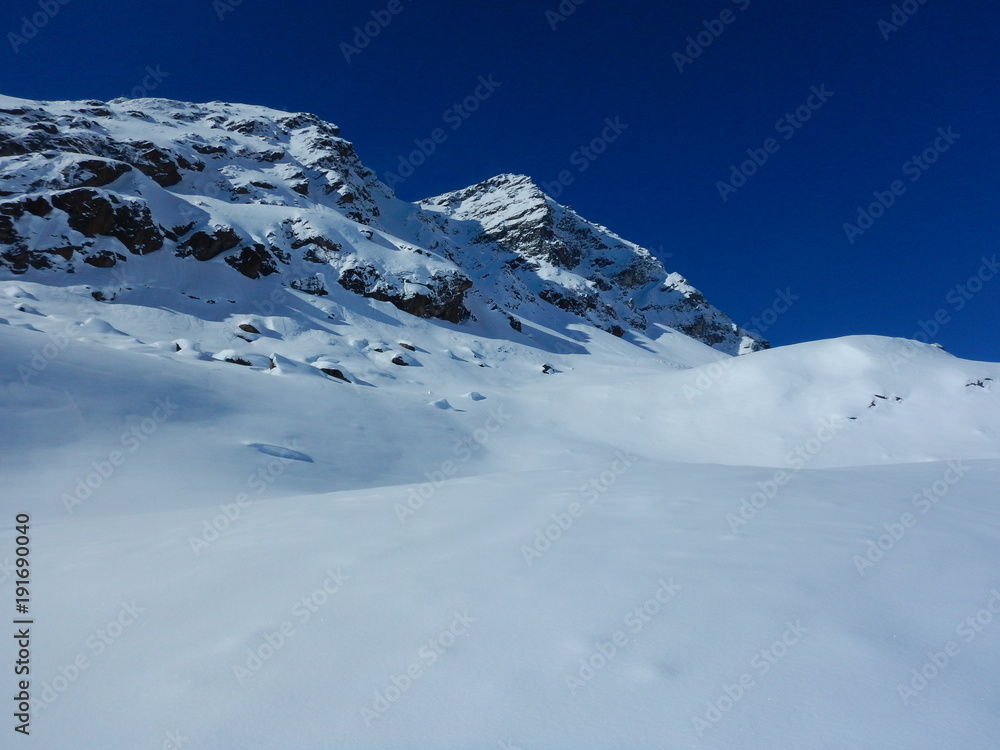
549	252
91	186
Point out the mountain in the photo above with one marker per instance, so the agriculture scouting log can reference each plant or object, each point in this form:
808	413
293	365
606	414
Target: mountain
301	465
271	193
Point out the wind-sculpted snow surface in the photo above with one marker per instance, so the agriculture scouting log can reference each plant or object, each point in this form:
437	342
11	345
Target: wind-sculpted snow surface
654	546
282	197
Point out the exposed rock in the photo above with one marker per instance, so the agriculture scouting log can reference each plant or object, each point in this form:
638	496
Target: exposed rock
17	258
445	298
314	285
93	213
103	259
334	373
95	172
65	252
206	245
36	205
8	235
158	165
90	212
247	328
209	150
253	262
322	242
549	252
135	229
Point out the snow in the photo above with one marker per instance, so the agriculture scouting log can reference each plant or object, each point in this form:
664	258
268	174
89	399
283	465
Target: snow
380	543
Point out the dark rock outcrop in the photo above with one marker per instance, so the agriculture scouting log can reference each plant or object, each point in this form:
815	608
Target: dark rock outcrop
95	172
444	298
205	245
310	285
334	373
95	213
253	262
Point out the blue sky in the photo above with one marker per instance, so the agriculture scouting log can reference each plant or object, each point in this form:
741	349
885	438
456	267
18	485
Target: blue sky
832	100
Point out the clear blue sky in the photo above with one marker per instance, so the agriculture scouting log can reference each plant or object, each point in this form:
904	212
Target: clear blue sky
658	182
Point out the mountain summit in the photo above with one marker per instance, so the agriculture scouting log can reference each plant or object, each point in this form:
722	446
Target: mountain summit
99	185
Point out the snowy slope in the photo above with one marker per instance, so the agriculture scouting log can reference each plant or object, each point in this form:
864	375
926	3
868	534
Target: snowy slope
263	517
489	531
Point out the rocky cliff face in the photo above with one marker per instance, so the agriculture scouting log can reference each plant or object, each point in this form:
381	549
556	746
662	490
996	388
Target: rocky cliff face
283	196
524	249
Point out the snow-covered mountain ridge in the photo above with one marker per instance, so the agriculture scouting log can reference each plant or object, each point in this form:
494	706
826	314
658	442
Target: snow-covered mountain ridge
282	195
